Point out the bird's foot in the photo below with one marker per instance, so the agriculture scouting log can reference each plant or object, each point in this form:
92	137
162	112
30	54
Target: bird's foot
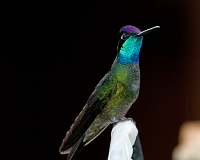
124	119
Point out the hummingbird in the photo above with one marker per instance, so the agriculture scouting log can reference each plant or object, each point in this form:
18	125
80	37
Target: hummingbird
113	95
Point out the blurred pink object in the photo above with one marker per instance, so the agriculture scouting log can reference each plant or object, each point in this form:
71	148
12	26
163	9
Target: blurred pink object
189	142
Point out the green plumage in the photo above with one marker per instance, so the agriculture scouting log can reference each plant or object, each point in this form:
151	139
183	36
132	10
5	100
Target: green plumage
123	82
113	96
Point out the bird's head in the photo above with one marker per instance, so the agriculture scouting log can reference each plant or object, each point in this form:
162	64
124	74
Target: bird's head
132	35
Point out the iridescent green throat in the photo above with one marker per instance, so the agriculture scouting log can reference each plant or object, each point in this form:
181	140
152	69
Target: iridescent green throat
129	52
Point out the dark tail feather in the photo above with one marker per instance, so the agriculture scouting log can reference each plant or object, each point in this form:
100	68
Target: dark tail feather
76	148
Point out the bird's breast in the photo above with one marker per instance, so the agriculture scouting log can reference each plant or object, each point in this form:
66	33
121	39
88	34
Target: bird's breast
128	75
127	90
128	85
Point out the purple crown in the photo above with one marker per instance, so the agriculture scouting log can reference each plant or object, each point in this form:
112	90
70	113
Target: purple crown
130	29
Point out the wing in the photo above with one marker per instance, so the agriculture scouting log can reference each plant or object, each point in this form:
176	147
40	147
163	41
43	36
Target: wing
96	102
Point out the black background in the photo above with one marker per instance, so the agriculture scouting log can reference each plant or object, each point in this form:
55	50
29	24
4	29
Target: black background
52	56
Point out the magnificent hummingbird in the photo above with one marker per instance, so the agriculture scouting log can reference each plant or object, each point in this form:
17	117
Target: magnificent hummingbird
113	95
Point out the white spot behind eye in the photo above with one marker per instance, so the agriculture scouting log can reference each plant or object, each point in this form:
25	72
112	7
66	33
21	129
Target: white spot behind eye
123	37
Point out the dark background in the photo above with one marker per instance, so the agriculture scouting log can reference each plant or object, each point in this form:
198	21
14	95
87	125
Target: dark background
52	56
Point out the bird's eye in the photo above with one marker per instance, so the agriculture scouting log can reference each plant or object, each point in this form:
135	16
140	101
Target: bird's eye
124	36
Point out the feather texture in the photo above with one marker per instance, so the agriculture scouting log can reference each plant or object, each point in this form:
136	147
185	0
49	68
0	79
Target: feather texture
94	106
113	96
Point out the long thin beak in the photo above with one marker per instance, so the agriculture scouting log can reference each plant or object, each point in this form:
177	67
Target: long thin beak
148	30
